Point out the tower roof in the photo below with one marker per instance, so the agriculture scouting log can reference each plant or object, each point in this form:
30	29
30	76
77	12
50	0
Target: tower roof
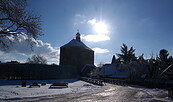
77	33
74	42
78	36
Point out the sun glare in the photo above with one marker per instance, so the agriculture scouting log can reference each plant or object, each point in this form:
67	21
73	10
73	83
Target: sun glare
101	31
101	28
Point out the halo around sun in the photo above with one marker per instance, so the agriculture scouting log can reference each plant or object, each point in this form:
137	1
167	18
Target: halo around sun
100	31
101	28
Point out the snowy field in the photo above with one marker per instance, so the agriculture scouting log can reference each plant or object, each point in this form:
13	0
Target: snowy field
12	90
78	91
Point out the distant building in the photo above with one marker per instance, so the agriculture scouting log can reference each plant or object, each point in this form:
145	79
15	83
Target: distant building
76	53
114	71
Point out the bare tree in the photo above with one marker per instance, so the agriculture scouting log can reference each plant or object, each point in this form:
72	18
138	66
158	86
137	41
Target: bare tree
100	64
37	59
15	19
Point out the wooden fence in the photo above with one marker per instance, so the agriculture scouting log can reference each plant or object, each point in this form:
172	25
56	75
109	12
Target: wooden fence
93	81
115	81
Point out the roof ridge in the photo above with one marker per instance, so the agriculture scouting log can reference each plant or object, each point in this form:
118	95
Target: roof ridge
74	42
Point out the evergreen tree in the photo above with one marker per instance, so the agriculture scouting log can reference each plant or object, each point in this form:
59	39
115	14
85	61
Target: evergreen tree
170	60
113	60
126	55
163	59
163	55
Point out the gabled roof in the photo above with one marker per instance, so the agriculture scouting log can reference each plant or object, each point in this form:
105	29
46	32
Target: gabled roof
74	42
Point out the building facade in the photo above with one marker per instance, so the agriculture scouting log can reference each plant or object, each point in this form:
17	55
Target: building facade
76	53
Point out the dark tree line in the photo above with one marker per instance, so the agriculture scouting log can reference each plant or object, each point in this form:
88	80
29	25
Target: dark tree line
36	71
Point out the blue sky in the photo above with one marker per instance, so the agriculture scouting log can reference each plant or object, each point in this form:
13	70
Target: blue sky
147	25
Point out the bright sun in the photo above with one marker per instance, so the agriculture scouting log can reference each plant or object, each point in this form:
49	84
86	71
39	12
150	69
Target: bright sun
101	28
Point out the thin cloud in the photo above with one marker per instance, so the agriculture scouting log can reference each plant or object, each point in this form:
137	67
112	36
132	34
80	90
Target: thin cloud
99	50
92	21
79	19
79	15
95	38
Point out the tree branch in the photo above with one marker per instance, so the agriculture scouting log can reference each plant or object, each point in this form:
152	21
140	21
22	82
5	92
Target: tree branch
4	19
7	33
9	26
15	19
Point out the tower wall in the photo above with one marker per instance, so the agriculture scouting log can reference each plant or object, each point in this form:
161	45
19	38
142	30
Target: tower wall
76	56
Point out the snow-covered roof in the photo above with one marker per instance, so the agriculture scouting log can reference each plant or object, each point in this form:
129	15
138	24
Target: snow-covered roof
113	71
74	42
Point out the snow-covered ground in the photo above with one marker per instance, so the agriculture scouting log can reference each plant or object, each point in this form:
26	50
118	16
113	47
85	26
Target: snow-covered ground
11	89
79	91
